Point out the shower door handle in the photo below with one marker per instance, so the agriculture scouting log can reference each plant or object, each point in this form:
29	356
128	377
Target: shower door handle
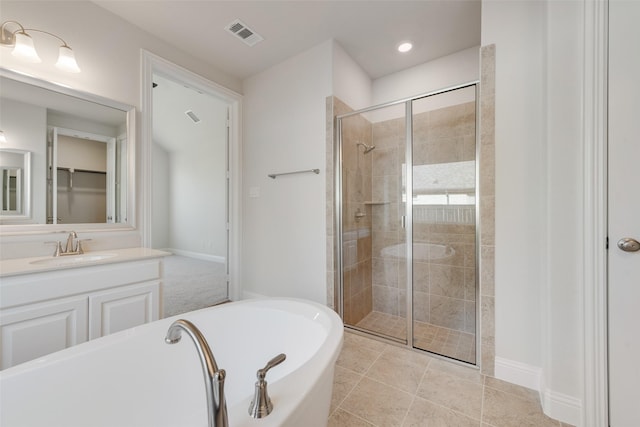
403	221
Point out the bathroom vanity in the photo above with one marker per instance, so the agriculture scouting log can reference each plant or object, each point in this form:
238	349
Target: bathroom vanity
51	303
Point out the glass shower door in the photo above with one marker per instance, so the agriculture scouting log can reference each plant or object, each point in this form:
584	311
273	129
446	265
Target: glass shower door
444	223
373	275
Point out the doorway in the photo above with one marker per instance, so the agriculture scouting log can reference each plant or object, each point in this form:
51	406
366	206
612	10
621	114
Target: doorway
407	227
191	140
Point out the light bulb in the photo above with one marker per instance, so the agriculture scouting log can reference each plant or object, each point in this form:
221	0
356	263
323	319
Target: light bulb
24	48
405	47
67	60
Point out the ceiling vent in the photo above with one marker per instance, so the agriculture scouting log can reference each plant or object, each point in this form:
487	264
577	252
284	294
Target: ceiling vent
244	33
192	116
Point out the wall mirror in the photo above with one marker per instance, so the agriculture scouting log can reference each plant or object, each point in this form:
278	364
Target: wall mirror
80	150
15	186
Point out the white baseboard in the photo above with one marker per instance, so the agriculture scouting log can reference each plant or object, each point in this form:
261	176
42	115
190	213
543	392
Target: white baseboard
556	405
197	255
518	373
567	409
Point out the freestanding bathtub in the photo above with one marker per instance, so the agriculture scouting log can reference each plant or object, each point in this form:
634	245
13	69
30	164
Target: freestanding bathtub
133	378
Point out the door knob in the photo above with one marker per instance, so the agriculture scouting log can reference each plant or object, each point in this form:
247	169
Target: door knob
628	244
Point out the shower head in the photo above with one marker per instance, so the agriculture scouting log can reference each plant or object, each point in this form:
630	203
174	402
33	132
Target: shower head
367	148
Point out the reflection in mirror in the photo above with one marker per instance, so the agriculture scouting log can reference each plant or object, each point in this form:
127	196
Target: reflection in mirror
79	152
14	183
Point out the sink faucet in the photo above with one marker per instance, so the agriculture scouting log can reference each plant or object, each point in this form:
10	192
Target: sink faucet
72	247
213	377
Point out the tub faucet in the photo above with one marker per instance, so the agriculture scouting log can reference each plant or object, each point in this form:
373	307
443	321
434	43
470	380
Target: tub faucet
213	377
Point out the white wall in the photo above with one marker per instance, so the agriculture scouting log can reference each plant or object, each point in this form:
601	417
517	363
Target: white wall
284	220
457	68
518	30
350	83
160	213
25	127
198	188
539	60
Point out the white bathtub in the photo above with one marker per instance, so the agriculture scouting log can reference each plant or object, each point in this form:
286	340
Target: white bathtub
421	251
133	378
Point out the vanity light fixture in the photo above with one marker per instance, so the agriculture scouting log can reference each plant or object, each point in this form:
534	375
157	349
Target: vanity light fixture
3	139
23	47
404	47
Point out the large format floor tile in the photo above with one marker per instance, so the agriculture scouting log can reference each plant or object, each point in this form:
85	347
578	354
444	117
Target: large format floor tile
378	384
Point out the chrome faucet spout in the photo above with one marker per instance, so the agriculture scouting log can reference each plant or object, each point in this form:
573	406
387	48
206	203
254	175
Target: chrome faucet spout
213	377
71	244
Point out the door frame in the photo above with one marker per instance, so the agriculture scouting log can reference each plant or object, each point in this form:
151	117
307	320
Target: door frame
594	192
150	64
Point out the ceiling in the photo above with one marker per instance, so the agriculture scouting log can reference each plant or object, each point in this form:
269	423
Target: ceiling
173	130
369	30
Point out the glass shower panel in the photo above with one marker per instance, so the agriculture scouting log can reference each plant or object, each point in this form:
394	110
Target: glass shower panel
444	223
373	147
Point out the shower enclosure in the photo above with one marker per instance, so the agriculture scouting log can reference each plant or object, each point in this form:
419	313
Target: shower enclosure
407	220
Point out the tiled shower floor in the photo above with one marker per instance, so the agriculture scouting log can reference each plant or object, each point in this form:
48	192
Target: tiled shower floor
447	342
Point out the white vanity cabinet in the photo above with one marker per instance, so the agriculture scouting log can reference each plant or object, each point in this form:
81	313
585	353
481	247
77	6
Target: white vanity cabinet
51	310
124	307
33	330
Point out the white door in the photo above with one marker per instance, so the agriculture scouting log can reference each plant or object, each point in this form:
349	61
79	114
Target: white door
624	212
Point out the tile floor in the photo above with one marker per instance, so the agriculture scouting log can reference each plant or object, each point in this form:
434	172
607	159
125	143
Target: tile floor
383	385
457	344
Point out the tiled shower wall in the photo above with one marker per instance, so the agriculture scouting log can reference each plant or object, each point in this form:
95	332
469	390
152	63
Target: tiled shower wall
356	191
444	287
389	267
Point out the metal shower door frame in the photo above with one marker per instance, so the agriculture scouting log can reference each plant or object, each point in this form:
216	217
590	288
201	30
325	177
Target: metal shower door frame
408	214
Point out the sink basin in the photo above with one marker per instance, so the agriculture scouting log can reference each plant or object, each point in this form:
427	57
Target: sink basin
72	259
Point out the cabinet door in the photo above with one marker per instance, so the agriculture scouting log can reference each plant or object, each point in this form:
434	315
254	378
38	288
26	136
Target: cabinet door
122	308
34	330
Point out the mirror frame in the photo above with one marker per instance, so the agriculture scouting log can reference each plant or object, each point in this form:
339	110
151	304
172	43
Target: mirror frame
130	223
25	213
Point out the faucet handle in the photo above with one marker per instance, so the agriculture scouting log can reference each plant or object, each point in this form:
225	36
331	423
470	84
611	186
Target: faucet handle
270	364
80	247
261	405
58	250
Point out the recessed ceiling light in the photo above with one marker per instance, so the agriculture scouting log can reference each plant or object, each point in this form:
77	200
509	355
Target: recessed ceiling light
405	47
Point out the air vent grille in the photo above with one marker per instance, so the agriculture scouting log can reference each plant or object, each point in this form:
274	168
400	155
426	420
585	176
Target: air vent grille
192	116
244	33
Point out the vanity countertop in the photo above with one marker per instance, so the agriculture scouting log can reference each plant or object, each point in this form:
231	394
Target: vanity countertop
19	266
